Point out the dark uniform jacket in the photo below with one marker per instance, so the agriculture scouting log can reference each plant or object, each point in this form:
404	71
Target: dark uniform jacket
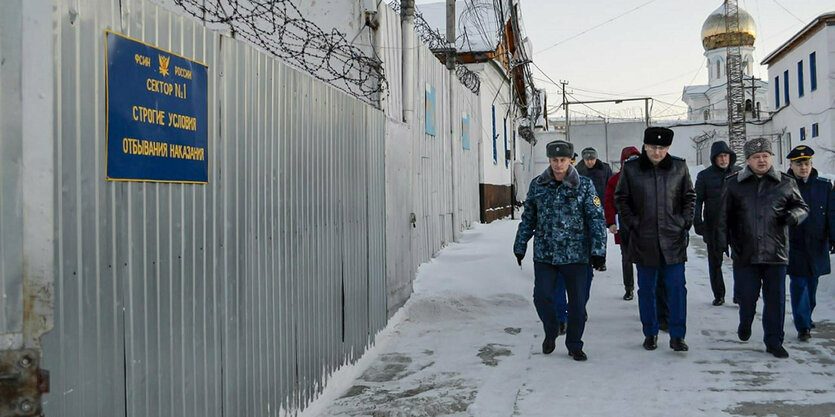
656	203
756	214
709	192
566	220
599	175
809	242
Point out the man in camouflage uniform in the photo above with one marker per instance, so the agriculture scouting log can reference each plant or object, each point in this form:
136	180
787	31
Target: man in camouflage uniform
564	213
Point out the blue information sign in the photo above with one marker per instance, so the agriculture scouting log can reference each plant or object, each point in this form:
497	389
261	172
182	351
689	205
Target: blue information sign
157	114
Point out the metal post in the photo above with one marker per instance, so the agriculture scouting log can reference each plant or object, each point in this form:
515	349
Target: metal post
407	24
453	117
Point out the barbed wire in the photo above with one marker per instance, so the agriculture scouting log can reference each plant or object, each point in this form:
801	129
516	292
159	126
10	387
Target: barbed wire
468	78
278	27
437	44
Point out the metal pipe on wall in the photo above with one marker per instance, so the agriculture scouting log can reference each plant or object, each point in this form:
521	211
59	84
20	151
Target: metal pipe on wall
407	14
454	154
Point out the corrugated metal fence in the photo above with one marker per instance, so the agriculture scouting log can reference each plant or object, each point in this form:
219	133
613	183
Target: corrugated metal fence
236	298
424	161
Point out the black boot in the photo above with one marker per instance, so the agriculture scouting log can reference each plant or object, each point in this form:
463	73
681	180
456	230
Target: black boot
628	295
677	344
778	352
548	345
561	326
651	342
718	301
804	335
577	354
744	332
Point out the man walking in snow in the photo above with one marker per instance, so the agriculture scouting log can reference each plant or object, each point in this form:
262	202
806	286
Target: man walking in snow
757	208
564	212
618	228
812	241
708	190
655	200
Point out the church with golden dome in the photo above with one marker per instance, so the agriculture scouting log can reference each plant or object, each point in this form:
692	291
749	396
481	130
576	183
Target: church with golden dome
708	102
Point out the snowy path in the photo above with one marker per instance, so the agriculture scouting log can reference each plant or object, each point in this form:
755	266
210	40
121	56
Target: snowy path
468	343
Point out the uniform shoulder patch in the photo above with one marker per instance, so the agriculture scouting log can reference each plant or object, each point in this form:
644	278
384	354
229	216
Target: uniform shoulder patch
596	201
826	180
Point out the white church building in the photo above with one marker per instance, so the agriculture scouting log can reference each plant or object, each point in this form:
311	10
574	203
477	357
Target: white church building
708	102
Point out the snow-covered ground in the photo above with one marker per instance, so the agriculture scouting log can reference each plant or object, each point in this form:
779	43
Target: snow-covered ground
468	342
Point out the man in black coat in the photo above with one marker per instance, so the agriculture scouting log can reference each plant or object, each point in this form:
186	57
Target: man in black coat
812	241
655	199
598	171
758	206
708	191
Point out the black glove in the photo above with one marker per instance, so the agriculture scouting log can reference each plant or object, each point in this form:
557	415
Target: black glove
598	262
519	258
700	229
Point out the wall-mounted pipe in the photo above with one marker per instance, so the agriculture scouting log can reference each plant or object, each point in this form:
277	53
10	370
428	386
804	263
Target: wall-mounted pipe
407	23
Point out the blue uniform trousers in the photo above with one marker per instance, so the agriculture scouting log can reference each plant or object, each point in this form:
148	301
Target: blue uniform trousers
803	292
546	278
674	283
560	302
750	278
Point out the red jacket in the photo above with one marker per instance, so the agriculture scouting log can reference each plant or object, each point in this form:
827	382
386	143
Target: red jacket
609	200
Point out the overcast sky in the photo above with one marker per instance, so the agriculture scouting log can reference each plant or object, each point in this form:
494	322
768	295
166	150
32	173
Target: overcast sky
654	50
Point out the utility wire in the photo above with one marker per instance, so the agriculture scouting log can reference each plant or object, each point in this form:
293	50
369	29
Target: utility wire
789	12
595	27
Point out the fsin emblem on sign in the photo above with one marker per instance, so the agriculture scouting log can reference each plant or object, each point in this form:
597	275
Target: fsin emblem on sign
157	116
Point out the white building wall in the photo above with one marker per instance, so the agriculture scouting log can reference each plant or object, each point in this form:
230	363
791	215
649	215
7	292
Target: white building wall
494	93
815	106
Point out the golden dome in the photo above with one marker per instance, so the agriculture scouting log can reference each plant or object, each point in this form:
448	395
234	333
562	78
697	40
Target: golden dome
715	35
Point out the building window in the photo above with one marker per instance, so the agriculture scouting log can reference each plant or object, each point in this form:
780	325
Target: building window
786	87
506	157
813	72
749	106
707	114
777	92
802	133
814	130
718	70
495	137
800	79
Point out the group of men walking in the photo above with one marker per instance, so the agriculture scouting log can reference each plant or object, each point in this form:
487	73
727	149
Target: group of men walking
754	213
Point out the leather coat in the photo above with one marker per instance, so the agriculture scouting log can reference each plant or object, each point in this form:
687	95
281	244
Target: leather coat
755	216
656	202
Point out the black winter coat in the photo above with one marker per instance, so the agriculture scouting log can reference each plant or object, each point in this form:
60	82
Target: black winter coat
709	192
656	203
809	242
599	175
756	216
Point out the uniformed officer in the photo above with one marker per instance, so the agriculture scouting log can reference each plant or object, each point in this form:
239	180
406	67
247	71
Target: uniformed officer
810	242
564	212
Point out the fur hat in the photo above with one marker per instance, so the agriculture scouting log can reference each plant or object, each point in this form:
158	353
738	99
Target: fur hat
660	136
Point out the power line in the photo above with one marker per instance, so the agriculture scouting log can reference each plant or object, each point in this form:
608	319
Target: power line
789	12
596	26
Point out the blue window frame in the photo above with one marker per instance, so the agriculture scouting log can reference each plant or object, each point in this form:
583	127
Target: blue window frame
506	161
495	137
777	92
786	86
800	79
802	133
813	72
815	131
